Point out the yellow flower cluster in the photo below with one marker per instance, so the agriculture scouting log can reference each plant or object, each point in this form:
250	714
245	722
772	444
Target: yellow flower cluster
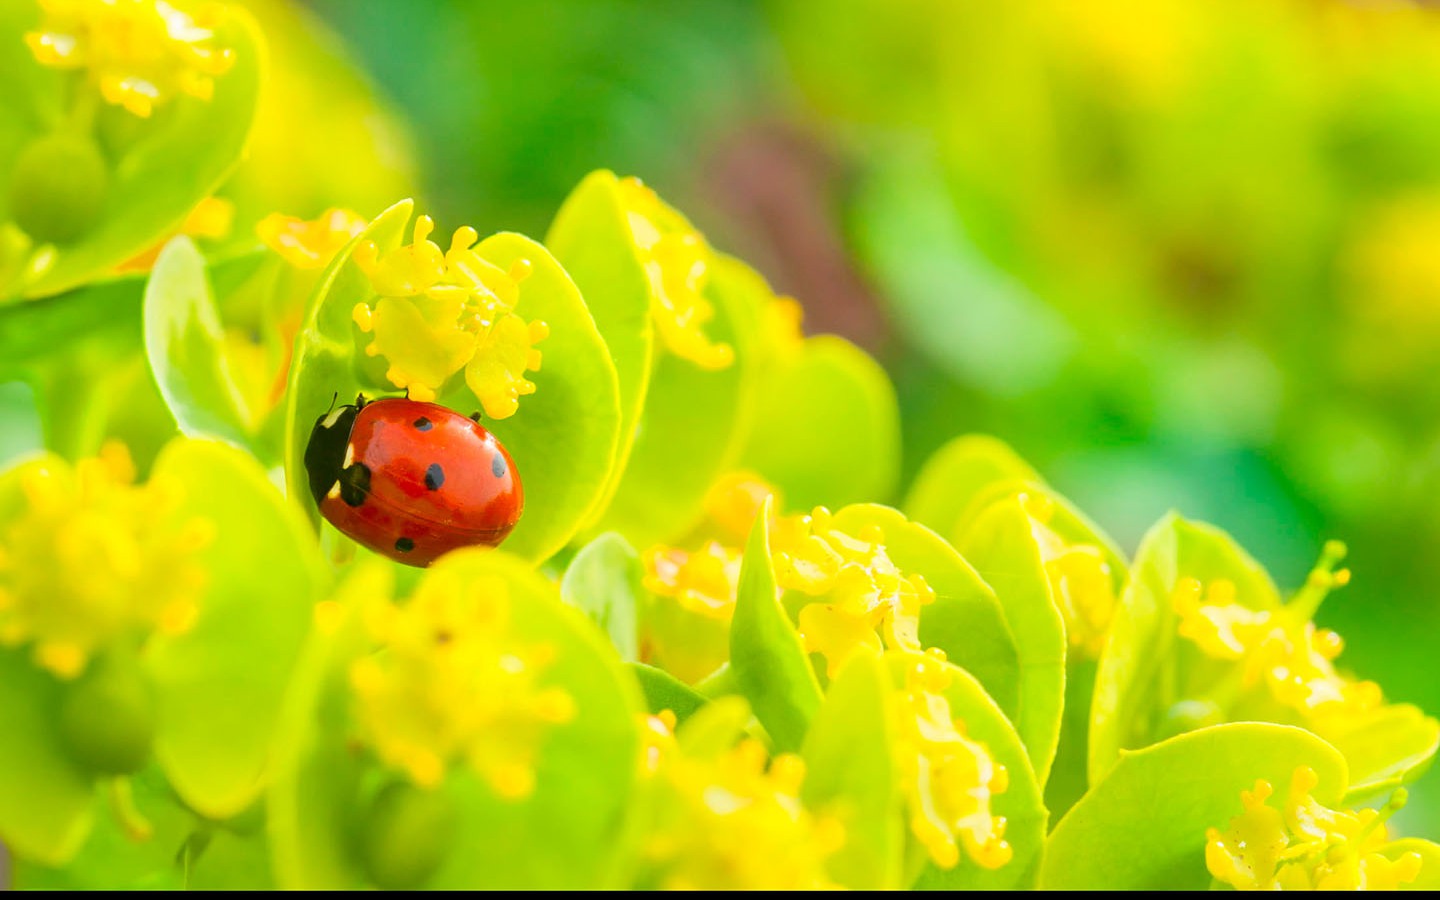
677	263
449	681
312	244
1281	648
1306	846
438	312
864	602
729	821
93	558
1080	579
702	582
949	780
139	53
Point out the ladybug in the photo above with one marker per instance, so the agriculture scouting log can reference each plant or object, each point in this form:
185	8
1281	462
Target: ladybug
412	480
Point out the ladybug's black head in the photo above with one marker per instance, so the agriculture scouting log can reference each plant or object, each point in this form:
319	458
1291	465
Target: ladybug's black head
325	454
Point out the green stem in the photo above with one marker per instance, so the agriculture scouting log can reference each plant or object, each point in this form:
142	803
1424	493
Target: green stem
122	802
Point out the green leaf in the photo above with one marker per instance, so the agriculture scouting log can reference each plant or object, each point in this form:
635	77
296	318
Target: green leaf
1020	804
46	801
767	656
175	159
591	238
32	332
1001	545
664	691
1135	677
714	728
850	774
185	344
826	428
944	492
1390	746
572	832
114	859
966	620
564	436
603	581
1143	826
220	684
690	430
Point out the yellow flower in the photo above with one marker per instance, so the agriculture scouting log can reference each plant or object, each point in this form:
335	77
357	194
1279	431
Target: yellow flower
1080	579
949	780
731	822
863	600
702	582
735	499
1306	846
438	312
677	263
1281	649
449	681
312	244
688	621
92	558
139	53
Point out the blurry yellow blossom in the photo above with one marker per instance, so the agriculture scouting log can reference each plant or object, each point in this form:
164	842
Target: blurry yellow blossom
139	53
438	312
92	558
450	681
677	263
949	780
702	582
730	822
1306	846
312	244
688	622
1080	579
735	499
1280	648
863	600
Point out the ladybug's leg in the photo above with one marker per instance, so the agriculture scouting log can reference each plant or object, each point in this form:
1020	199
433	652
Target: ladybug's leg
360	401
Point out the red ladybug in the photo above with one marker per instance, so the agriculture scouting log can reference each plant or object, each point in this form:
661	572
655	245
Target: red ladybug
412	480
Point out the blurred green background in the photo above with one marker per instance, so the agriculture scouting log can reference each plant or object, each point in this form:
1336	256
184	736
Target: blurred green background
1180	253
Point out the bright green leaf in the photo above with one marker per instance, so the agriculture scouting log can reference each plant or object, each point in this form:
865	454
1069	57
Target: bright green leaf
185	345
689	431
850	774
767	656
1020	804
664	691
1143	826
219	685
826	430
944	492
603	581
966	620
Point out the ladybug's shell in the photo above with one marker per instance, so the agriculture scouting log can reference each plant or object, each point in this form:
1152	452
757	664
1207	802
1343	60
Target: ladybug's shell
419	480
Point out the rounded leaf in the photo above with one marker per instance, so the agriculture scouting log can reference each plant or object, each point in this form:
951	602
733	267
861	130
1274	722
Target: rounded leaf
1143	826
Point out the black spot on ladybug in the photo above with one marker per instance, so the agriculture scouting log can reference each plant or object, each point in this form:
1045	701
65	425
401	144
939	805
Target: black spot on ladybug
404	545
497	465
434	477
355	484
422	424
475	416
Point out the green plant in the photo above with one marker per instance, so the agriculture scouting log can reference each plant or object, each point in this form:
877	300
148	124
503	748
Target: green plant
681	670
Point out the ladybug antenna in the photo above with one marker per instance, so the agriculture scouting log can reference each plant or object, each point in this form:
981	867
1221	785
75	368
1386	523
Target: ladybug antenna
334	399
359	401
